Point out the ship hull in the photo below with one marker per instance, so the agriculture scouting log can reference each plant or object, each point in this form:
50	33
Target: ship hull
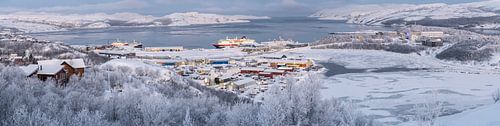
225	45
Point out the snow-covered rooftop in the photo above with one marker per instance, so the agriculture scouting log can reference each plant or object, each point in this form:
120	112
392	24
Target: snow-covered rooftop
244	81
49	69
29	70
252	69
75	63
284	61
274	71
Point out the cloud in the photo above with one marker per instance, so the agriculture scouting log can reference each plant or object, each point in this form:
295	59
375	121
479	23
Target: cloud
124	4
290	3
118	5
162	7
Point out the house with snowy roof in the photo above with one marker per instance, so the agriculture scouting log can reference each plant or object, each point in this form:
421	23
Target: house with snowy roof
57	69
52	71
70	66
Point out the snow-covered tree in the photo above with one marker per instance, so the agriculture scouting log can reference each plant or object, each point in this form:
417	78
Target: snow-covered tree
145	100
496	96
427	112
188	121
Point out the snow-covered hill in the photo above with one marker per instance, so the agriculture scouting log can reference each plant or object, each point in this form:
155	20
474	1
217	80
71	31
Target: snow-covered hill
47	22
183	19
378	14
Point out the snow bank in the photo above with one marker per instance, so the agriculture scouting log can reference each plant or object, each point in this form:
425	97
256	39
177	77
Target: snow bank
483	116
48	22
377	14
134	64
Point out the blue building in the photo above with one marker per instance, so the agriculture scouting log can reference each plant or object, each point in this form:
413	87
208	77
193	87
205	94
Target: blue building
219	61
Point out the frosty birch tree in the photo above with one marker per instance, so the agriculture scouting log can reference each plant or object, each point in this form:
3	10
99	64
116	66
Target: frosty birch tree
273	111
187	119
243	114
154	110
496	96
426	113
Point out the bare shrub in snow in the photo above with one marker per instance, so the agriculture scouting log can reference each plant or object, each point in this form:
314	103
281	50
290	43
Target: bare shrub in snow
496	96
426	113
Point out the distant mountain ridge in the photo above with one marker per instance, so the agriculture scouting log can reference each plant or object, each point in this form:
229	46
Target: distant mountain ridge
407	13
48	22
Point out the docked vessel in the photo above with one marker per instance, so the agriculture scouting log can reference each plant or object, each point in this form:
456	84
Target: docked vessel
223	43
119	43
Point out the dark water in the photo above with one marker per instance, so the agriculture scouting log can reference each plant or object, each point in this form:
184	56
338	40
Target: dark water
337	69
202	36
396	69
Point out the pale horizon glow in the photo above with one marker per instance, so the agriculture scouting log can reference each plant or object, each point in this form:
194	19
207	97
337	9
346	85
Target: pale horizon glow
277	8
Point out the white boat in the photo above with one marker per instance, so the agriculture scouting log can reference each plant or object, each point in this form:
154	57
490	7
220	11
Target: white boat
119	43
233	42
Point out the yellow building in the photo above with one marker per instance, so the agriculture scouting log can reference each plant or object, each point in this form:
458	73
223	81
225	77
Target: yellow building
298	64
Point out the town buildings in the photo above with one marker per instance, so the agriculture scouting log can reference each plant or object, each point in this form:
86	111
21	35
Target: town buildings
162	49
246	75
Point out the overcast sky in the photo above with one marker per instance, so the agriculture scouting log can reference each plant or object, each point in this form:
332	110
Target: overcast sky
163	7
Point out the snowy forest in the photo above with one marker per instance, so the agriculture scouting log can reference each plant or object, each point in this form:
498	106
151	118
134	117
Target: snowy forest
146	97
248	63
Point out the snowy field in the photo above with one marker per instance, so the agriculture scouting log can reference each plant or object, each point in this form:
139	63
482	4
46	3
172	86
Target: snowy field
389	97
487	114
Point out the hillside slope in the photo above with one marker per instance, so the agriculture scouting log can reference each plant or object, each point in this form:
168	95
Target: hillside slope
380	14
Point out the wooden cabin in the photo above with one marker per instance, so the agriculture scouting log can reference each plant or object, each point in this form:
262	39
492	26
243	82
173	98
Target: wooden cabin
56	72
70	66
